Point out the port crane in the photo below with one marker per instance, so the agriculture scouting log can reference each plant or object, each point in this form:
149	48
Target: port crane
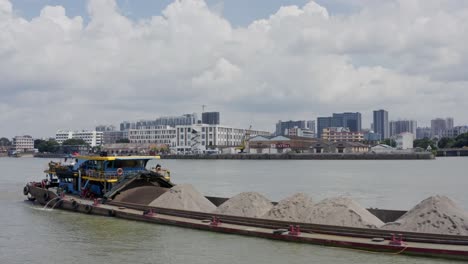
244	140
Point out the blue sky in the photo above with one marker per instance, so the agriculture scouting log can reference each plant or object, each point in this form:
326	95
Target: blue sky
238	12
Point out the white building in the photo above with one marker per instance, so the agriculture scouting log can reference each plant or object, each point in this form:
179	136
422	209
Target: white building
404	140
92	138
200	137
23	143
152	134
299	132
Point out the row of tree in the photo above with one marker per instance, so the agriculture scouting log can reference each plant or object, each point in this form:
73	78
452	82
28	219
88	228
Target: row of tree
52	146
458	142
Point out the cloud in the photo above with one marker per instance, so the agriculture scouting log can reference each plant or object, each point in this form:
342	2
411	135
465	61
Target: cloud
60	72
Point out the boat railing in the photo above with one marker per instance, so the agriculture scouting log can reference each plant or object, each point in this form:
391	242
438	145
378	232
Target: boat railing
109	175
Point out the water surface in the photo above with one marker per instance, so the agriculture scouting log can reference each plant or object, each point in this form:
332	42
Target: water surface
29	234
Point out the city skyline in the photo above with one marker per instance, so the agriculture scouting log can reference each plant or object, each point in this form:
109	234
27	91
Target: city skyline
102	61
159	120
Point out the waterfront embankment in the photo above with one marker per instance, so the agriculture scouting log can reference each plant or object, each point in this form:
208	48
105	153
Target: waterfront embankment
456	152
50	155
309	156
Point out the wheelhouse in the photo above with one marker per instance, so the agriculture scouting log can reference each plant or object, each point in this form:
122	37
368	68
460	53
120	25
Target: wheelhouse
92	176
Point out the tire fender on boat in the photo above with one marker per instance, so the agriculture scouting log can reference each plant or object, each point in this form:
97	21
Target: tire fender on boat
75	204
88	208
26	190
111	213
46	196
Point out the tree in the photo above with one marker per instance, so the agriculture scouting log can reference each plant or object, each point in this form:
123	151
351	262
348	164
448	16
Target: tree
48	146
445	142
123	140
389	142
5	142
461	141
423	143
37	142
74	142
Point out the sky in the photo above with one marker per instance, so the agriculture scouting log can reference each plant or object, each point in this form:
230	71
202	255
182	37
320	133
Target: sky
78	64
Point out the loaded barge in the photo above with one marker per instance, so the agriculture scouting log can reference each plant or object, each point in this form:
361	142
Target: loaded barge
90	185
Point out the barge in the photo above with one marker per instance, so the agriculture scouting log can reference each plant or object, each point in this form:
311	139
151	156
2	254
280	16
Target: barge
91	185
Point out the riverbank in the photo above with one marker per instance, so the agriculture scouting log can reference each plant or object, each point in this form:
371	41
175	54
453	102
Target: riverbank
50	155
460	152
309	156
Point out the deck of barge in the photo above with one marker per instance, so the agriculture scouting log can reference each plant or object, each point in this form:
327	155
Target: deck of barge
451	247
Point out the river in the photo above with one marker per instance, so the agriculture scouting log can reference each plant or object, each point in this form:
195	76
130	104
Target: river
29	234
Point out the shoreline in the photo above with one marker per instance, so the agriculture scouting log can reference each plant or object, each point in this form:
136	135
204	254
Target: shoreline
309	156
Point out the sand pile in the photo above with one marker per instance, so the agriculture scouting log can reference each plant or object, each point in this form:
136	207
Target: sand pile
342	211
294	208
140	194
249	204
436	214
184	197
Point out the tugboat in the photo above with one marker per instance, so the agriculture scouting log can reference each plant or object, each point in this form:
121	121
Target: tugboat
97	177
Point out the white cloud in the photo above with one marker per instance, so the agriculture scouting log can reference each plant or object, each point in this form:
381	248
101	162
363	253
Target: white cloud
59	72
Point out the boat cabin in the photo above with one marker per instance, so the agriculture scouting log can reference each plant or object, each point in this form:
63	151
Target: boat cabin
92	176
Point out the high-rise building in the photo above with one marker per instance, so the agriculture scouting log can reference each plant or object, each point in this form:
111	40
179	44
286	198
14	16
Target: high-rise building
380	124
423	132
322	123
400	126
449	121
347	119
283	126
439	125
210	118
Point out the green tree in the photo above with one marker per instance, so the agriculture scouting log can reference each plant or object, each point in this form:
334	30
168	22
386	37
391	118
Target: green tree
445	142
74	142
5	142
37	142
423	143
390	142
461	141
123	140
50	145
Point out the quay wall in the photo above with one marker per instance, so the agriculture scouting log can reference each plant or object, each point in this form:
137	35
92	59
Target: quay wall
452	152
50	155
309	156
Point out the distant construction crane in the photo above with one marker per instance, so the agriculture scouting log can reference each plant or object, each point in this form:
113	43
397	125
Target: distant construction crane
244	140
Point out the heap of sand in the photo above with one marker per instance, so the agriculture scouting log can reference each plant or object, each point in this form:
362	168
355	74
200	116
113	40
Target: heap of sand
140	194
184	197
248	204
342	211
294	208
436	214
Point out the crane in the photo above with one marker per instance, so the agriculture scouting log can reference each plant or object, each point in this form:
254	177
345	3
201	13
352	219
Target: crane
244	140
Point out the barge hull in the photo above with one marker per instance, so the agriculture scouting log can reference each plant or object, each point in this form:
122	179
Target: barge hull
255	227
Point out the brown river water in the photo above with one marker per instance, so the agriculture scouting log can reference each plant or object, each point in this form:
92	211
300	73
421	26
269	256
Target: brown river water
30	234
